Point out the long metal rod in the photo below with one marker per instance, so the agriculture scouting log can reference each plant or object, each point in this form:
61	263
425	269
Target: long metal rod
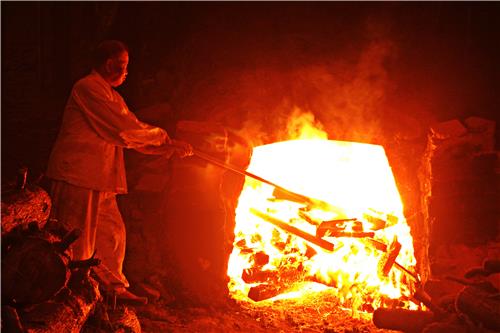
237	170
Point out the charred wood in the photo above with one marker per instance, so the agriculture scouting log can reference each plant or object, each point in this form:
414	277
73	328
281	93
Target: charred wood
11	321
340	228
481	306
377	223
68	239
260	259
253	275
351	234
263	291
381	246
389	259
402	320
33	271
422	296
492	266
87	263
67	312
281	194
307	218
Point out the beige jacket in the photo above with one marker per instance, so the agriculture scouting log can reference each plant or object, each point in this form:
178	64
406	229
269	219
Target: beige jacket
96	126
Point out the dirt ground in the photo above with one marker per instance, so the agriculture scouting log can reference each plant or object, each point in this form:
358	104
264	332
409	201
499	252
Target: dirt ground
320	313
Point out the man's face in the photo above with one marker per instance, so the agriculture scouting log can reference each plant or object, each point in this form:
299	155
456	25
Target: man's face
116	69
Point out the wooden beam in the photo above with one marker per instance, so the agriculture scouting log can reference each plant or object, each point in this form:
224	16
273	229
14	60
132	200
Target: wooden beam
293	230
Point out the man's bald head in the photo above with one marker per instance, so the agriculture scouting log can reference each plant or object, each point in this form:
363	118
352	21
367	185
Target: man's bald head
107	49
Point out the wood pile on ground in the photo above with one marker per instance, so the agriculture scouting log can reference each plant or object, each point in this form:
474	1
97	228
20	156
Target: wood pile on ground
43	290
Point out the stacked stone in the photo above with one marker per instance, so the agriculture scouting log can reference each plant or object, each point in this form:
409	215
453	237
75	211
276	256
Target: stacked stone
460	183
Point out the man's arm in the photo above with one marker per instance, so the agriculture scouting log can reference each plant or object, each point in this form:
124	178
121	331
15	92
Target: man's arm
112	120
180	148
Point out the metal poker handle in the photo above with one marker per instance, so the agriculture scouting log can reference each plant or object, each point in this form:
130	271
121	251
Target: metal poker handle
237	170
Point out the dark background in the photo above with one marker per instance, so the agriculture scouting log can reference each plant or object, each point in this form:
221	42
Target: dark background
372	72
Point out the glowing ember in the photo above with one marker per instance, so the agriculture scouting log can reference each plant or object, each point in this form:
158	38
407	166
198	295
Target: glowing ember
366	215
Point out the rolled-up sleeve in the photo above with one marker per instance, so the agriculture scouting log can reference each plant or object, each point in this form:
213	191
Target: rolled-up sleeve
110	117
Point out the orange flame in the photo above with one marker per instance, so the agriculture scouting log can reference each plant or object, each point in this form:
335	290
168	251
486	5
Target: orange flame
357	181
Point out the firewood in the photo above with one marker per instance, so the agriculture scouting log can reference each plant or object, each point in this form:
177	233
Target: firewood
307	218
23	207
492	266
377	223
260	259
87	263
337	228
67	313
334	223
68	239
33	271
480	305
293	230
350	234
263	291
383	248
11	321
253	275
402	319
422	296
389	259
281	194
476	272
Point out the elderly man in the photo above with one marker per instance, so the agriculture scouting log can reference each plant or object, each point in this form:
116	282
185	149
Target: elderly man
87	166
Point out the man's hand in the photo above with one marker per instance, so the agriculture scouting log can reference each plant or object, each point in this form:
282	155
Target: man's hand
181	148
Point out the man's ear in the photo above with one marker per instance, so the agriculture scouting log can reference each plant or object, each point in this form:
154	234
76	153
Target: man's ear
109	66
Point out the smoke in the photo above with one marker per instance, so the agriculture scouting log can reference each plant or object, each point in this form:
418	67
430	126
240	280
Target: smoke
261	90
344	99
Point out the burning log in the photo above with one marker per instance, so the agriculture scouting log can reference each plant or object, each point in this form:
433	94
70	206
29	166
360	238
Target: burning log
307	218
351	234
295	231
253	275
281	194
402	320
390	258
263	291
383	247
377	244
377	223
424	298
260	259
480	305
337	228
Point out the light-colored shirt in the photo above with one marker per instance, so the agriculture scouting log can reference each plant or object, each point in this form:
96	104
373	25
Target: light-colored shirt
96	126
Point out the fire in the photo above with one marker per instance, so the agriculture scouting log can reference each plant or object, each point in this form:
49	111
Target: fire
367	221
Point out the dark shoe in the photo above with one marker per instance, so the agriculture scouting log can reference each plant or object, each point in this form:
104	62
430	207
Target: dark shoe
126	297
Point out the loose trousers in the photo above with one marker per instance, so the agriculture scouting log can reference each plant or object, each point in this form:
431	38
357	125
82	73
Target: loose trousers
96	214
